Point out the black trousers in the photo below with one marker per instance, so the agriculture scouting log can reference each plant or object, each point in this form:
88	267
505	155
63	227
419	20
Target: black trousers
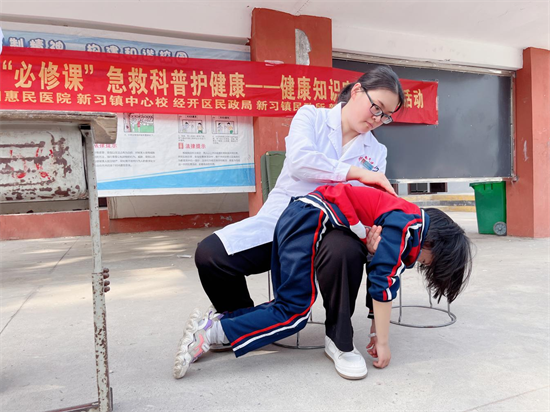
339	268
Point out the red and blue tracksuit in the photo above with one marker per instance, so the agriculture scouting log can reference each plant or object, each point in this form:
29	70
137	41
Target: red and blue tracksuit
298	233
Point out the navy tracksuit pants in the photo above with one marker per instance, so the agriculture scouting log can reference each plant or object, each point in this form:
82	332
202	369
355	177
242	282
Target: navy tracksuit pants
298	233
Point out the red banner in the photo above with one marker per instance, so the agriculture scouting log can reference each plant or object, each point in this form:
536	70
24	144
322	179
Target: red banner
64	80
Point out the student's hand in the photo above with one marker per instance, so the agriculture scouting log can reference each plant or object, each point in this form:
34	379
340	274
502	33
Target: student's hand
371	347
373	238
370	179
384	354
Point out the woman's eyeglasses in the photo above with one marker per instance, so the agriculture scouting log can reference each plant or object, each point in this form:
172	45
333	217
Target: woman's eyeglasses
377	111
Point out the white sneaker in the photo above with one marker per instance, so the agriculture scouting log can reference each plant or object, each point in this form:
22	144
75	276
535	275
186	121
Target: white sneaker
195	341
349	365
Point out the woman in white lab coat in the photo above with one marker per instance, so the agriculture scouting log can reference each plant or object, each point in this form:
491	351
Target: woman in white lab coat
323	146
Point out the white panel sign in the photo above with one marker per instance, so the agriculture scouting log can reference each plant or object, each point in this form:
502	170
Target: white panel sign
177	154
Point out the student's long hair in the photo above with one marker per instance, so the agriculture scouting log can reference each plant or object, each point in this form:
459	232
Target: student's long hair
376	77
451	267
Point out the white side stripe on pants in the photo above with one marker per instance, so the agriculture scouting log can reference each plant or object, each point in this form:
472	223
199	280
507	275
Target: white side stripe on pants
273	332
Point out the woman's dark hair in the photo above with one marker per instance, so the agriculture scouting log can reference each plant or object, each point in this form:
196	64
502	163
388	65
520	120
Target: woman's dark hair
376	77
451	249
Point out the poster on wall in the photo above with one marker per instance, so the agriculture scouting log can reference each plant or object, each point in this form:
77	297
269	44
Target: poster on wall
177	154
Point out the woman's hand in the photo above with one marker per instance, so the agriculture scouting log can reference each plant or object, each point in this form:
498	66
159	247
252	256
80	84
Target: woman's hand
373	238
370	179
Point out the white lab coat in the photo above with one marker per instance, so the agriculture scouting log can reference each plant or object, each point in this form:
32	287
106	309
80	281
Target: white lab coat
313	158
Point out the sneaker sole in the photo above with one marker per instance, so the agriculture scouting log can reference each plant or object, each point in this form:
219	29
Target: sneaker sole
182	364
351	378
194	317
190	348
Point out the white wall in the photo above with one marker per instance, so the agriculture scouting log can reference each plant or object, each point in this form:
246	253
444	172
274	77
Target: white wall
456	32
409	46
170	205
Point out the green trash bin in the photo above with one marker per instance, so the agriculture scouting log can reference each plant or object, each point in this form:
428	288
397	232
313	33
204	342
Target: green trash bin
490	207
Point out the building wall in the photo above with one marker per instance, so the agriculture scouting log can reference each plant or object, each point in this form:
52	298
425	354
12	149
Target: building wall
528	197
222	24
230	23
11	208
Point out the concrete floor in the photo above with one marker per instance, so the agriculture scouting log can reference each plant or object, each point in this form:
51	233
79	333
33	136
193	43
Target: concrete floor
494	358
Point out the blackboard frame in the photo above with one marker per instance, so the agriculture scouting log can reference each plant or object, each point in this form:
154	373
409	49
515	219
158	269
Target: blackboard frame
479	144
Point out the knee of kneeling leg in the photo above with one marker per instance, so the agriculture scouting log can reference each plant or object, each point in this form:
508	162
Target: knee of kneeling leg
205	253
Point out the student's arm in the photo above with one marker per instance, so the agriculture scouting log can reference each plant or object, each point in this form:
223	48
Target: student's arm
379	346
383	274
373	239
382	314
387	265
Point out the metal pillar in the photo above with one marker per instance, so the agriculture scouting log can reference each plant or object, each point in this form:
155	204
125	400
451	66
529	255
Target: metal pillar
98	282
92	126
100	285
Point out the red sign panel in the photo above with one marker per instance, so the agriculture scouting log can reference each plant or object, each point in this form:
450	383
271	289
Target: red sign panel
39	79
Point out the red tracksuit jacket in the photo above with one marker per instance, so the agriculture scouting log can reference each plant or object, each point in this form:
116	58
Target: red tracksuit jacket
404	227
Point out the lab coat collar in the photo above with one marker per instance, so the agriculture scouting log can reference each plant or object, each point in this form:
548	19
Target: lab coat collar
334	122
357	149
334	118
